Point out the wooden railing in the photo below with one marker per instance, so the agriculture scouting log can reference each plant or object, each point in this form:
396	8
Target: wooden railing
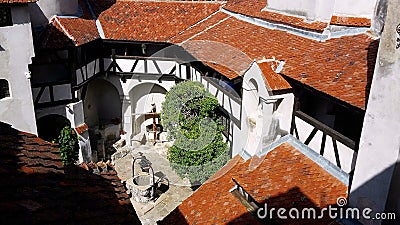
326	132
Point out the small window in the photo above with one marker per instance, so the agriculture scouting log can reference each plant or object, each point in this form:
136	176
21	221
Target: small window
4	89
5	16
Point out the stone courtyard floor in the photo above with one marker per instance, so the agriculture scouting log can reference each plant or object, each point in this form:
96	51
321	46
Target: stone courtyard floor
179	189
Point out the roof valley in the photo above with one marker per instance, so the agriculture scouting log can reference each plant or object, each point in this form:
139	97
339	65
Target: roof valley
205	30
194	25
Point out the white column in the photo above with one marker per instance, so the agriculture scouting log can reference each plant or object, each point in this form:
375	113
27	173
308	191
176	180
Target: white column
380	138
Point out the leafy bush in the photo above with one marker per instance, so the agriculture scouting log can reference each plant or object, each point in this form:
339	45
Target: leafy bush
190	114
69	148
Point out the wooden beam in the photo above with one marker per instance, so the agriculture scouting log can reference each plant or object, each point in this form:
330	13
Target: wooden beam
55	103
311	136
134	65
336	150
51	93
326	129
148	58
157	67
322	150
39	95
59	82
172	70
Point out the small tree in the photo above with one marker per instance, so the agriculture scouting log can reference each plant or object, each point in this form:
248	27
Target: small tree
190	114
69	148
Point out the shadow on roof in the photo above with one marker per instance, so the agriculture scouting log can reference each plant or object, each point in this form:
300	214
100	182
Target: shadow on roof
293	199
100	6
37	189
371	57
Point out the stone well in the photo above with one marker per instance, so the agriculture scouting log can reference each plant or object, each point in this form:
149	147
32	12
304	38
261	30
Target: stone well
141	187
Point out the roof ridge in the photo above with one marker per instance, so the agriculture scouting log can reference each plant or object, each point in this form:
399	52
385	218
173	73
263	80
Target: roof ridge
194	25
324	163
56	19
205	30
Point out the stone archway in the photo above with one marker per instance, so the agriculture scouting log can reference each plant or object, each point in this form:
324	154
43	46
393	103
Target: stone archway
50	126
142	97
102	108
102	104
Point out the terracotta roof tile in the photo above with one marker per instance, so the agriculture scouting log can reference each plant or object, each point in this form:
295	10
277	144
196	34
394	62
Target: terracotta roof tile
223	57
336	66
152	21
340	67
350	21
82	31
82	128
199	27
273	80
284	177
254	8
66	32
37	189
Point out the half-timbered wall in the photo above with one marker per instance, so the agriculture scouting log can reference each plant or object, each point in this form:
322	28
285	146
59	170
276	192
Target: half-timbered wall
140	81
334	146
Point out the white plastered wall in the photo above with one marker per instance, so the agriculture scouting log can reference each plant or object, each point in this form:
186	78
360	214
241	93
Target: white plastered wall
16	51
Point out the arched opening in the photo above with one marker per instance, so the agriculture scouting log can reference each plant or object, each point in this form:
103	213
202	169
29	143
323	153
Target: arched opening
102	107
102	104
146	98
252	96
253	87
50	126
253	123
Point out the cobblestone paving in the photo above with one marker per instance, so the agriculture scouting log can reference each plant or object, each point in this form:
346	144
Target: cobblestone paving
179	189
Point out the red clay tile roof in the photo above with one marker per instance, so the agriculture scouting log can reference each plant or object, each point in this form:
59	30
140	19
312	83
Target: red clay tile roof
152	21
341	67
127	20
37	189
254	8
350	21
222	57
284	177
54	37
199	27
80	30
17	1
273	80
82	128
76	31
67	32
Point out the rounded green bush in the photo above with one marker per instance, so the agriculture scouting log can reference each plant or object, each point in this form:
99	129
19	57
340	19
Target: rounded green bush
190	114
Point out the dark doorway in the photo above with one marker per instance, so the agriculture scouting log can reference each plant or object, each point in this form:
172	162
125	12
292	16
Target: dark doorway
50	126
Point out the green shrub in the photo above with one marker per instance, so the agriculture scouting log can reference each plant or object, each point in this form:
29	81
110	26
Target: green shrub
69	147
190	114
